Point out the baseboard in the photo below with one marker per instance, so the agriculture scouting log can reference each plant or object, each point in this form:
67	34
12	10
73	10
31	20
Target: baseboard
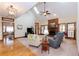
20	37
69	38
15	38
34	46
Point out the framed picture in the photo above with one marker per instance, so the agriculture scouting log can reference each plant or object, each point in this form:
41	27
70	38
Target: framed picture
19	27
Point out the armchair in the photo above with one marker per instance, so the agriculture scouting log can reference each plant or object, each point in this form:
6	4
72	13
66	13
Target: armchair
55	42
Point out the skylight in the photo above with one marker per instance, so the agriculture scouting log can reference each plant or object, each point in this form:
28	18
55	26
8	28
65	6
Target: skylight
36	10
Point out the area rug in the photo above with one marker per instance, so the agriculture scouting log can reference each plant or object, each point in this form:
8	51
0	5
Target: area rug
67	48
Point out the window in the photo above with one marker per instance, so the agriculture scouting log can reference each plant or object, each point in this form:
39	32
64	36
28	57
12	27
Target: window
70	30
43	27
36	10
9	29
62	27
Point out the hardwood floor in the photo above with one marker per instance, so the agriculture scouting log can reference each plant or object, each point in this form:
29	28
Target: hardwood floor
17	49
20	48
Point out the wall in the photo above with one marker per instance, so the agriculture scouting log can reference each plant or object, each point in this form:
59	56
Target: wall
68	20
0	29
45	22
77	27
26	20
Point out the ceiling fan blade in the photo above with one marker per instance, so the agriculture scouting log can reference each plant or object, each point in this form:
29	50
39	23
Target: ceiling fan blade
48	13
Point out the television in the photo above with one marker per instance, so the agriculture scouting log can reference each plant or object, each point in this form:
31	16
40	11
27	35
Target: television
30	30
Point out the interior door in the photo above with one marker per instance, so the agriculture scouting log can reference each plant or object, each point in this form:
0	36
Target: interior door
7	29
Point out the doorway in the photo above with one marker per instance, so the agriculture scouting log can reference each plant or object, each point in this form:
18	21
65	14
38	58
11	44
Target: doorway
36	28
7	29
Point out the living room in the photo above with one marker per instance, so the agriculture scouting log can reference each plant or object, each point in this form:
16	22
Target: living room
44	20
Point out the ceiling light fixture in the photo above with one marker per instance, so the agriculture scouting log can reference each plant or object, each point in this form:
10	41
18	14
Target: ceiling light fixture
45	12
11	10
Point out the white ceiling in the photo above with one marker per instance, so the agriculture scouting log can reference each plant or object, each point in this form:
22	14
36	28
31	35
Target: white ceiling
63	10
21	7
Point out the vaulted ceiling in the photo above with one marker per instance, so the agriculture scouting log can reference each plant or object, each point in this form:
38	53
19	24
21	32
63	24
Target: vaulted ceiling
61	9
21	7
64	10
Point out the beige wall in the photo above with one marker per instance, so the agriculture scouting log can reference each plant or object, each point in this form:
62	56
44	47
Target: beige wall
77	27
67	20
27	20
0	29
45	22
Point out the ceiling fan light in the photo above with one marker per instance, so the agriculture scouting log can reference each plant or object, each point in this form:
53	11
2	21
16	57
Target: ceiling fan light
44	14
11	13
11	10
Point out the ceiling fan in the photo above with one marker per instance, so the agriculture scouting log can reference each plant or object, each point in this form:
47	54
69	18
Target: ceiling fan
45	12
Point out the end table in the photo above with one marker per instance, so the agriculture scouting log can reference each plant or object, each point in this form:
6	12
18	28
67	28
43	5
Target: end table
45	45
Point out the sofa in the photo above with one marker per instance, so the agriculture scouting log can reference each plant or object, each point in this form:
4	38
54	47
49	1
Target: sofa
56	40
34	39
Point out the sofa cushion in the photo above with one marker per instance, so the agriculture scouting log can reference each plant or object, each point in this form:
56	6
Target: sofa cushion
34	39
